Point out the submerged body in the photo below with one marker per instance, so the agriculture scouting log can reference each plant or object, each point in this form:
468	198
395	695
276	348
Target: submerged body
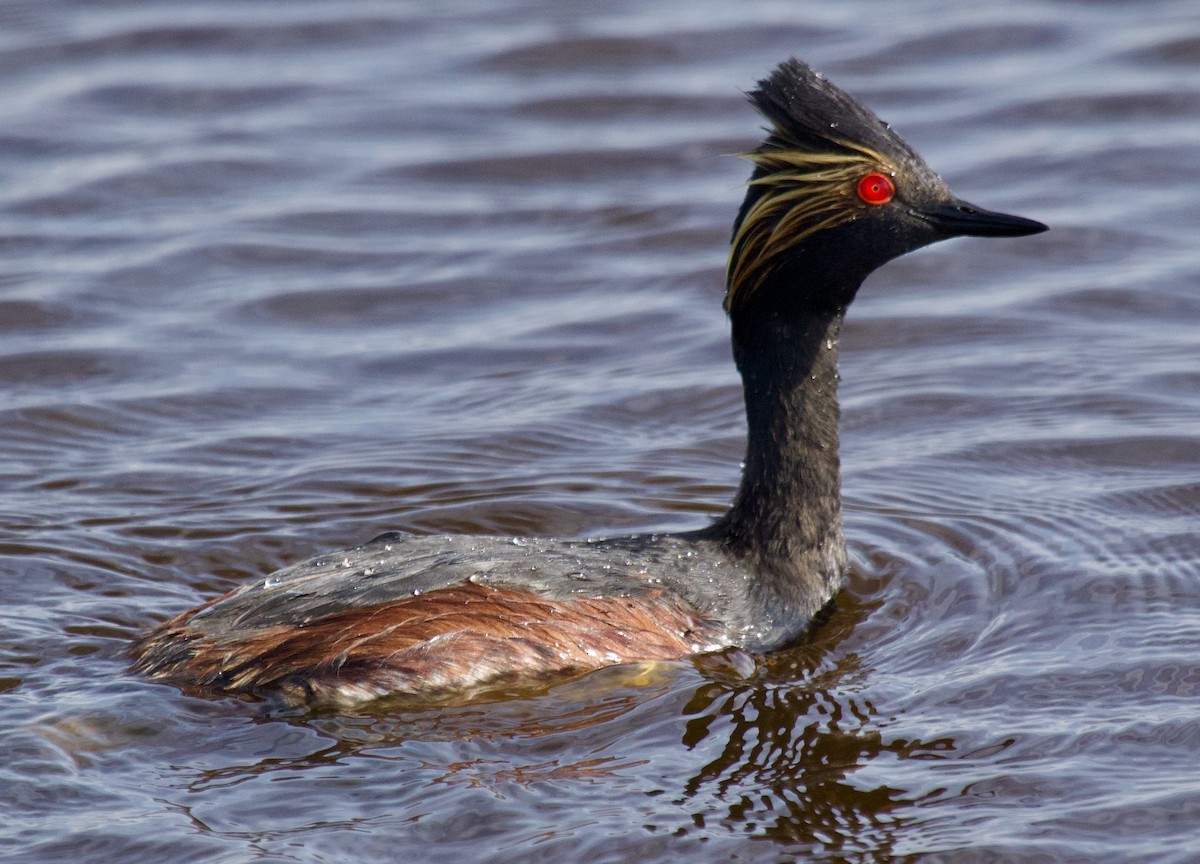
834	194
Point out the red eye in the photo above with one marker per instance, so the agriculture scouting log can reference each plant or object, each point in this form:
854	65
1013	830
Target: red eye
876	188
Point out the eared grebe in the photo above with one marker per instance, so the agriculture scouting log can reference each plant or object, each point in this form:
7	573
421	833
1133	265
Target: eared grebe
834	194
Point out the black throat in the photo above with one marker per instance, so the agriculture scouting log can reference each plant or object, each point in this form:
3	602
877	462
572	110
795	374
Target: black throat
786	517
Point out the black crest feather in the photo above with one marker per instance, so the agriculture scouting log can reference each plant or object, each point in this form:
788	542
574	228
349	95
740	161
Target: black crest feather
808	113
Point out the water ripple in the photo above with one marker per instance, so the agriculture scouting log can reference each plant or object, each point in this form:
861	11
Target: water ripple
280	277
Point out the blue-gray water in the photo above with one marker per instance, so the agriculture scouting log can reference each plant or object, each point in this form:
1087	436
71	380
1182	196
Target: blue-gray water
278	276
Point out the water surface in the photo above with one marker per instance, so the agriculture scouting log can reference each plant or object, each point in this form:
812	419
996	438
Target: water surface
277	277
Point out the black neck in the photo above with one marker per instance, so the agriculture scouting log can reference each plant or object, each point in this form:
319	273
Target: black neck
787	514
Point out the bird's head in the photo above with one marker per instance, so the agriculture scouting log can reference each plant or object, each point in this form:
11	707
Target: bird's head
835	193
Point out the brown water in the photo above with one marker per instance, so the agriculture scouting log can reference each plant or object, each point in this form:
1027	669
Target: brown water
279	276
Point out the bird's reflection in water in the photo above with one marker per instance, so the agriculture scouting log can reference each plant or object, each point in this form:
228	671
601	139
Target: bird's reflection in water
788	744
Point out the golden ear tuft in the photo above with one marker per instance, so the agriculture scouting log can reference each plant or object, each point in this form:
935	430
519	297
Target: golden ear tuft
799	193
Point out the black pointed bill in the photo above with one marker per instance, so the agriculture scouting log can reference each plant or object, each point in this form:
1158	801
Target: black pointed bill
958	218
